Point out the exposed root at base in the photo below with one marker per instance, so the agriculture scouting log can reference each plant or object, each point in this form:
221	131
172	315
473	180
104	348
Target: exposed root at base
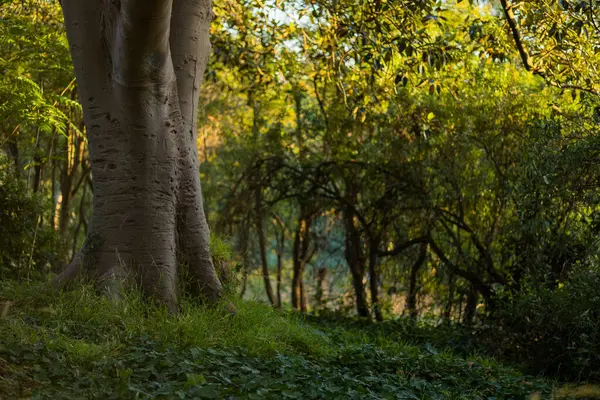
112	286
70	274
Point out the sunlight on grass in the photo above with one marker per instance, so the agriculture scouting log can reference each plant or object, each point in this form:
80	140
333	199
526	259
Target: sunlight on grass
77	341
68	317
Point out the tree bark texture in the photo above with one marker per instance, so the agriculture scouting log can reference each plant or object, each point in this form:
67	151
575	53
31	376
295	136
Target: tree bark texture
139	67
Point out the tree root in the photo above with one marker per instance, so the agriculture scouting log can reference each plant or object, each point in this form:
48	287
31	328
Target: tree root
70	274
112	288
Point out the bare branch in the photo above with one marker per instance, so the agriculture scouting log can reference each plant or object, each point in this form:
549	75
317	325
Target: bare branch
404	246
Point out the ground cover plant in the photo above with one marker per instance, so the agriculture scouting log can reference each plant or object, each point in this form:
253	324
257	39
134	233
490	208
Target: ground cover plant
80	344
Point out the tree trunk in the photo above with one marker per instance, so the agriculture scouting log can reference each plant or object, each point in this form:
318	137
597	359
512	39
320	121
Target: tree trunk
70	163
450	302
139	67
262	248
13	152
471	306
244	280
353	253
411	300
297	273
374	278
37	176
321	289
301	255
243	251
280	251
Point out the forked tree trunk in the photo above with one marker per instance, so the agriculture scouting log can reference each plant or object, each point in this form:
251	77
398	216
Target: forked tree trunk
139	66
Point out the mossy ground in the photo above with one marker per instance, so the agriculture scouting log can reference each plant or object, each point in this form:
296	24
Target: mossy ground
80	345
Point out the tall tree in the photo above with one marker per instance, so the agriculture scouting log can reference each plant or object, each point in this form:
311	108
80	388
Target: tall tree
139	67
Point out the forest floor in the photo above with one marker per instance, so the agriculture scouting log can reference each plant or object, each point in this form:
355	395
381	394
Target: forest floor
79	345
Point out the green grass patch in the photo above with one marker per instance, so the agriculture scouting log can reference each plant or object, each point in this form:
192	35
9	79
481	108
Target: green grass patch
80	345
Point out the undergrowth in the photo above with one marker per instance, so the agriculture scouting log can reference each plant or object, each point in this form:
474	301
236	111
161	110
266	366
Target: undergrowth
80	345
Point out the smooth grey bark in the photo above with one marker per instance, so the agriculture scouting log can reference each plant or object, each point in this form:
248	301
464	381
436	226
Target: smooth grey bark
139	66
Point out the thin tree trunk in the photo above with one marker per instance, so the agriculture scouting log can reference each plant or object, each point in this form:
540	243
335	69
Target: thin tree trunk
13	152
280	251
82	222
243	250
70	167
354	257
279	273
298	270
37	177
65	193
449	303
411	300
262	248
244	280
301	254
471	306
374	277
321	290
139	67
303	303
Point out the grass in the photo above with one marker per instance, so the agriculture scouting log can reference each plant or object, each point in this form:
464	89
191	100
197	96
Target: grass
80	345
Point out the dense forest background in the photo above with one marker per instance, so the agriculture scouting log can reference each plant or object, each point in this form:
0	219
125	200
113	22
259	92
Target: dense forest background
434	163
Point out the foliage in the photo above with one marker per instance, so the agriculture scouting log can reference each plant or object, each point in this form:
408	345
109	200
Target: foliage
79	344
556	332
41	129
27	250
545	331
34	60
557	40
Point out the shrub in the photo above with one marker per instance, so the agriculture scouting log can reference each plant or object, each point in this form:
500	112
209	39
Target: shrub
555	332
28	247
